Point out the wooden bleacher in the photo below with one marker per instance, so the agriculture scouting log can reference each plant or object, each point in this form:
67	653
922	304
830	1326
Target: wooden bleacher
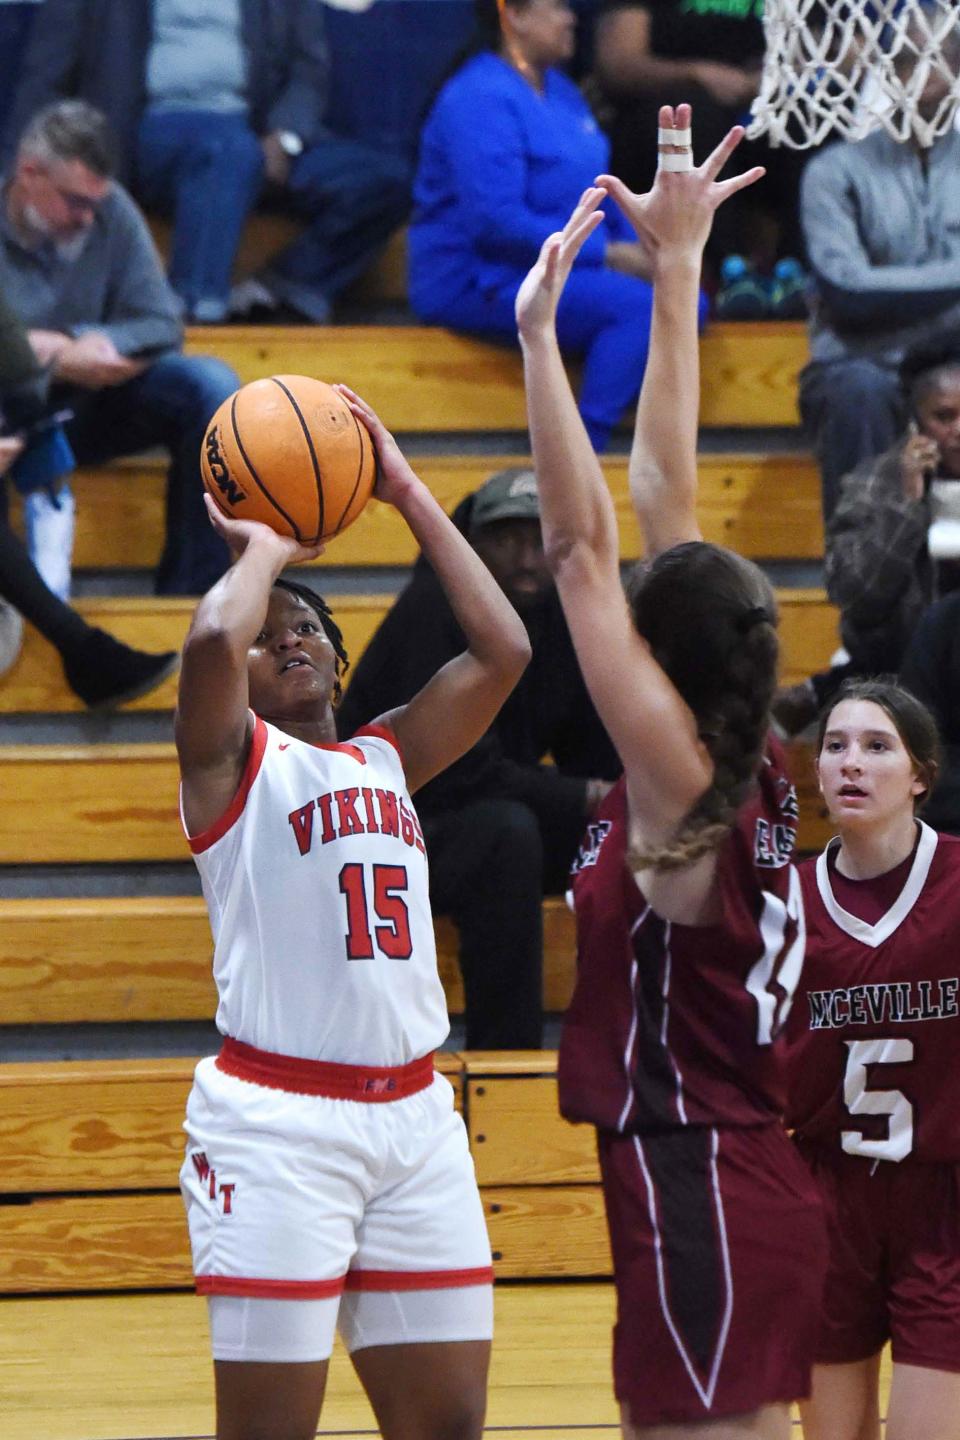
148	958
766	507
112	803
420	378
808	629
92	1149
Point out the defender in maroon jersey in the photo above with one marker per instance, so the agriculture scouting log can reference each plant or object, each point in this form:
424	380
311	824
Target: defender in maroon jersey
689	914
874	1039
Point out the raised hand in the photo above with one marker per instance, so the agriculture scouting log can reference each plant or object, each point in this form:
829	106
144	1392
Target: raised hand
539	295
394	474
239	534
677	214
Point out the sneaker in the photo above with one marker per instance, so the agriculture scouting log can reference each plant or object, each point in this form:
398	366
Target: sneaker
794	710
788	290
11	636
742	294
251	298
105	673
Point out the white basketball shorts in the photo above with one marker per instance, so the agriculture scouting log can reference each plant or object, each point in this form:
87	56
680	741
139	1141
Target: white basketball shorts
304	1198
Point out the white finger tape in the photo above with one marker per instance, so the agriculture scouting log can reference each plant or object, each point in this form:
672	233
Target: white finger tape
675	137
683	161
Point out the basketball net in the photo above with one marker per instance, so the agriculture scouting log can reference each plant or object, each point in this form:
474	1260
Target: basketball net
846	66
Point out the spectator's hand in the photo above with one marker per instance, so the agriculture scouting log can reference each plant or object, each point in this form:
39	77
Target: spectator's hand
10	448
276	161
239	534
677	214
630	257
47	344
395	478
918	462
597	792
727	84
94	362
539	295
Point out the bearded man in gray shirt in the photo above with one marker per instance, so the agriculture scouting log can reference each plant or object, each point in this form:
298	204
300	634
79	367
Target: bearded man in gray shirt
79	270
882	227
217	104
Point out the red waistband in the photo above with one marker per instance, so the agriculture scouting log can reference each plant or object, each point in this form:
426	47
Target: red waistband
371	1084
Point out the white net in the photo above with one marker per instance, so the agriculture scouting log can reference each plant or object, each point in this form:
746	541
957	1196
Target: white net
847	66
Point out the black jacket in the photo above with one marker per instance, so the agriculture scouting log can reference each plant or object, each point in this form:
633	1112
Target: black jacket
931	671
549	712
96	50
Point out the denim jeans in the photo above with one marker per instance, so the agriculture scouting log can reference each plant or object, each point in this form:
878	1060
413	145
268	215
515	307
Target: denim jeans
170	405
206	170
852	409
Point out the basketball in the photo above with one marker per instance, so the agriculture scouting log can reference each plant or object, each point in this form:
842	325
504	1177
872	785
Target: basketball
290	453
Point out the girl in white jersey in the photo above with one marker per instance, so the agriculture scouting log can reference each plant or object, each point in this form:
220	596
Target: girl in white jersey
327	1176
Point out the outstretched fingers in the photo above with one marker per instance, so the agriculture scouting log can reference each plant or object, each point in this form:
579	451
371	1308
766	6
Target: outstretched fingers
715	162
726	188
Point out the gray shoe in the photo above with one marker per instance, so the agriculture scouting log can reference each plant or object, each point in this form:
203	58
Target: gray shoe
11	636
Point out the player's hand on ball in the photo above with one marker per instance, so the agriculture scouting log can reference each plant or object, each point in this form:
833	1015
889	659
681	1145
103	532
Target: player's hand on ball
239	534
394	475
678	211
539	295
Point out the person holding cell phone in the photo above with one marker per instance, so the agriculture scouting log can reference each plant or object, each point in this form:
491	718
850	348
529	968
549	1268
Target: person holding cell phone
893	541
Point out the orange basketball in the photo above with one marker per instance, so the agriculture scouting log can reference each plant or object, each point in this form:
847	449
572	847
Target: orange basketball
289	452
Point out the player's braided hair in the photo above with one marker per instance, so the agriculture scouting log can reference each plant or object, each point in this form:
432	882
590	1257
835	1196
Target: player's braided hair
710	619
331	629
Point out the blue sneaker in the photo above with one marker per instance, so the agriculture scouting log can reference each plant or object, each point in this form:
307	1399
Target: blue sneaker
742	294
788	290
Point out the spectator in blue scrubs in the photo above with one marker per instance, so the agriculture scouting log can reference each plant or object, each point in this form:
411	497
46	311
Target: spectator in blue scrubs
507	149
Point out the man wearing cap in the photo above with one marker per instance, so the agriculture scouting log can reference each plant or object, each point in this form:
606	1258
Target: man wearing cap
502	827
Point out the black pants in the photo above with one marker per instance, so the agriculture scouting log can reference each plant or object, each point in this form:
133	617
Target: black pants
490	866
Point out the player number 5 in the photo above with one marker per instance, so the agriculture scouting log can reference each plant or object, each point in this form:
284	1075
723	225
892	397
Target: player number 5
892	1104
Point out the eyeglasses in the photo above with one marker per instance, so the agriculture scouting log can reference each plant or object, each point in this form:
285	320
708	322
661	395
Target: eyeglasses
78	203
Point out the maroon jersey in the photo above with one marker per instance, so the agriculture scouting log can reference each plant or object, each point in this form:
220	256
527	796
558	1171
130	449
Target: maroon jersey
875	1031
674	1025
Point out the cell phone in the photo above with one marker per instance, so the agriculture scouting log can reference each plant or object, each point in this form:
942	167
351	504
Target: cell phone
43	426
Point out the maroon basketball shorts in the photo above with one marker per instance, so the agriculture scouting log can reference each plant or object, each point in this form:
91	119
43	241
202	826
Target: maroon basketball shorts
718	1253
894	1262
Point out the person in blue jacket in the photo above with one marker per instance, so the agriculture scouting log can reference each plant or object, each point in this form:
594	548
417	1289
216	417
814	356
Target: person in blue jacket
506	150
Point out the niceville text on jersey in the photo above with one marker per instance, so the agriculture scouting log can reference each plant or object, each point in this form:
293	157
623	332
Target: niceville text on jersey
875	1031
317	886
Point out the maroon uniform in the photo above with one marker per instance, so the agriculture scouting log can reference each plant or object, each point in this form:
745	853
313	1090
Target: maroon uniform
672	1048
874	1038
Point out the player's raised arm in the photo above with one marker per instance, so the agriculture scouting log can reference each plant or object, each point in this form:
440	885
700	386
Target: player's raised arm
212	721
653	730
674	221
454	709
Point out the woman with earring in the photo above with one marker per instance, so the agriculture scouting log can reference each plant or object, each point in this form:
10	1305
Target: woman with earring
506	150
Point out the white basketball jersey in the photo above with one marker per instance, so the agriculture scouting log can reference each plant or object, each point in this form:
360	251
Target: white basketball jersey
317	887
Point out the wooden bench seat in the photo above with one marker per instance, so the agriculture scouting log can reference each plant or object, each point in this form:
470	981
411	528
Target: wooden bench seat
92	1151
421	378
148	958
267	232
116	803
767	507
35	683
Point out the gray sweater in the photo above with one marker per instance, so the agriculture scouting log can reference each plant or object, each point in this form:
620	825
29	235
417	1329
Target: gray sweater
882	226
115	285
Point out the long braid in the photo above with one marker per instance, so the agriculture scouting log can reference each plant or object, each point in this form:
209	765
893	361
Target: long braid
710	618
331	629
